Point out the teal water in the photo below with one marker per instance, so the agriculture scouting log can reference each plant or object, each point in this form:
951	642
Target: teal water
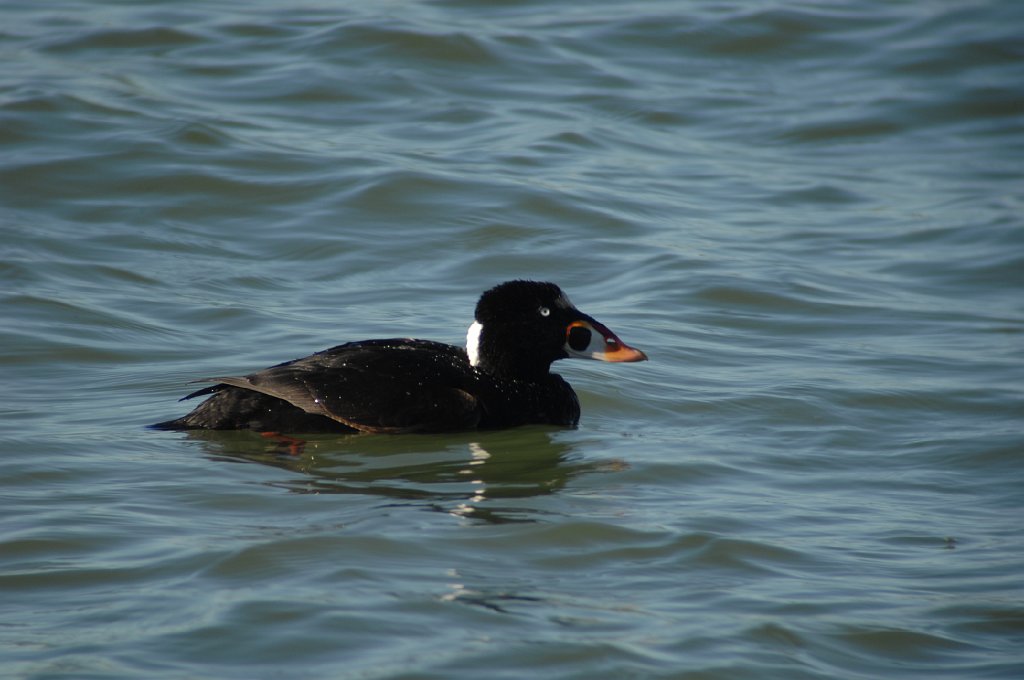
810	216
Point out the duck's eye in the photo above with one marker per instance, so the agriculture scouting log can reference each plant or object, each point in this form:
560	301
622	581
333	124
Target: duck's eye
544	311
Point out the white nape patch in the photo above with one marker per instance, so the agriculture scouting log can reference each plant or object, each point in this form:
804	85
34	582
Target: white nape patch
473	342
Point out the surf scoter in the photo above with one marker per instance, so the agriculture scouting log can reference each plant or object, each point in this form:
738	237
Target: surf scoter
501	379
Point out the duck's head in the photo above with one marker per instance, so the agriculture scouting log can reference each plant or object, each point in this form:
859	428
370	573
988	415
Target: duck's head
521	327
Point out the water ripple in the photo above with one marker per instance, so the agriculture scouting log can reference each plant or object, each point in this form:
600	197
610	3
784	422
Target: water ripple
808	215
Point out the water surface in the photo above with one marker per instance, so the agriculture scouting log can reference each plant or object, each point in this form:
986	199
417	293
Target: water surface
808	214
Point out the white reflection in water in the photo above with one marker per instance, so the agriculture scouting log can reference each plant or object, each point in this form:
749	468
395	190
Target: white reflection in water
479	456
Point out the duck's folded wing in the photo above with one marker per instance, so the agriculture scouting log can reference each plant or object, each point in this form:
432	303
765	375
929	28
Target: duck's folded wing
381	388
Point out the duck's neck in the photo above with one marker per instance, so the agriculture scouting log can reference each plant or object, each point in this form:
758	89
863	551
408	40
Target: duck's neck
508	365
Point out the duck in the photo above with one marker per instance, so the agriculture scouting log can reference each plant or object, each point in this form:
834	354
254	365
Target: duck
500	379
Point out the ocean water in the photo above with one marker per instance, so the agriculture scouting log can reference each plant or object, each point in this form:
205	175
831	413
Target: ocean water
809	214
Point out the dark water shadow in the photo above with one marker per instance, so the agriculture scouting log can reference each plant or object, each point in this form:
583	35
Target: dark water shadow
478	475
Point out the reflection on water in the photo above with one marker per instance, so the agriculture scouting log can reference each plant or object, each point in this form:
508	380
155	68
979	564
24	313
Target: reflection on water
475	475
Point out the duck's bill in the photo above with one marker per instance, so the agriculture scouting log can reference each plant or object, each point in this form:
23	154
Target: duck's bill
592	340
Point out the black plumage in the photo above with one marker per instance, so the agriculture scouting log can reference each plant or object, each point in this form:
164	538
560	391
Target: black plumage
404	385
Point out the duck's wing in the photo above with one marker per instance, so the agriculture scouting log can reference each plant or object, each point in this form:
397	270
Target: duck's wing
384	386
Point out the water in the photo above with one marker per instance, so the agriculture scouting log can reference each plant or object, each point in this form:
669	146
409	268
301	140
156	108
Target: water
808	214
